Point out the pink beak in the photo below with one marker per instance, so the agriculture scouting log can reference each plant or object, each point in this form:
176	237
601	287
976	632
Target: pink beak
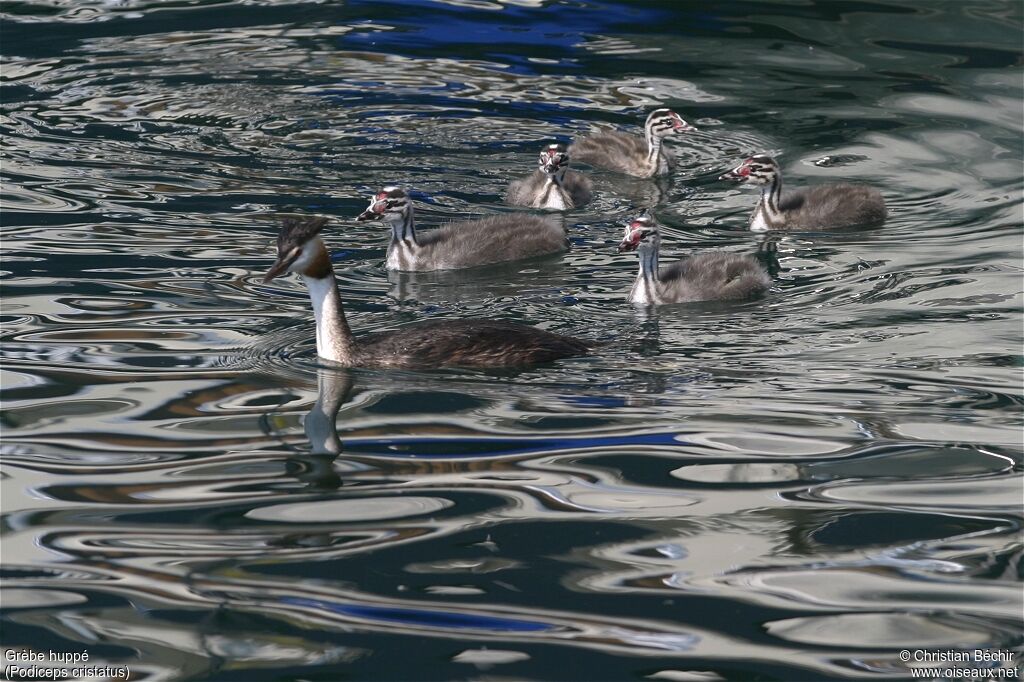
375	210
740	172
632	239
551	163
682	126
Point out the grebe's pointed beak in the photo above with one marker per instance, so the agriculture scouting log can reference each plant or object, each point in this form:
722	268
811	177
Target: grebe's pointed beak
634	235
277	269
681	126
374	211
740	172
553	159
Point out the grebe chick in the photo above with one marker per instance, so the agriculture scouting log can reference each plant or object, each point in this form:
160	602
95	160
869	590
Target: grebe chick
552	185
434	343
822	207
643	157
461	245
712	276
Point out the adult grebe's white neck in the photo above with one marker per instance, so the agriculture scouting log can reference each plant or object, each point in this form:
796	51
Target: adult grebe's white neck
334	340
333	336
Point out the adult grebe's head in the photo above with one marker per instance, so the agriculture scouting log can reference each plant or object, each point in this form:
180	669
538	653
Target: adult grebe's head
759	169
553	158
300	249
641	231
391	205
662	122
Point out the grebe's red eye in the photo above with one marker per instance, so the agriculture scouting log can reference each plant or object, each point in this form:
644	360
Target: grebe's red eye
743	171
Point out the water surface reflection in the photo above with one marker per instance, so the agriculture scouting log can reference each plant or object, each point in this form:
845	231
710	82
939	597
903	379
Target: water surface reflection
795	487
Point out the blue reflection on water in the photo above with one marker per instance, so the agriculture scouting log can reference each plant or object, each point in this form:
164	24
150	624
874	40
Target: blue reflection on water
555	26
406	616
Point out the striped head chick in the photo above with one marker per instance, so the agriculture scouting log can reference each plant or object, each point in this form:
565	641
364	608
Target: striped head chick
391	205
554	159
663	122
641	231
759	169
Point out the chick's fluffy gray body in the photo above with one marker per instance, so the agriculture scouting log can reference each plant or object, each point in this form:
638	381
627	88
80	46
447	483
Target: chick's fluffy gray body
827	207
713	276
621	152
479	242
537	191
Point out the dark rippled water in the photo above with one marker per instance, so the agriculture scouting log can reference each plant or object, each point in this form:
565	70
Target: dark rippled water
794	488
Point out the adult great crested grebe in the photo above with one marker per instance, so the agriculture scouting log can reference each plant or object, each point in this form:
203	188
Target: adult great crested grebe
433	343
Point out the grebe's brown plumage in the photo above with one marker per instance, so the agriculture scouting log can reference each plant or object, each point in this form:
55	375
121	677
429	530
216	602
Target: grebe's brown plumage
433	343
